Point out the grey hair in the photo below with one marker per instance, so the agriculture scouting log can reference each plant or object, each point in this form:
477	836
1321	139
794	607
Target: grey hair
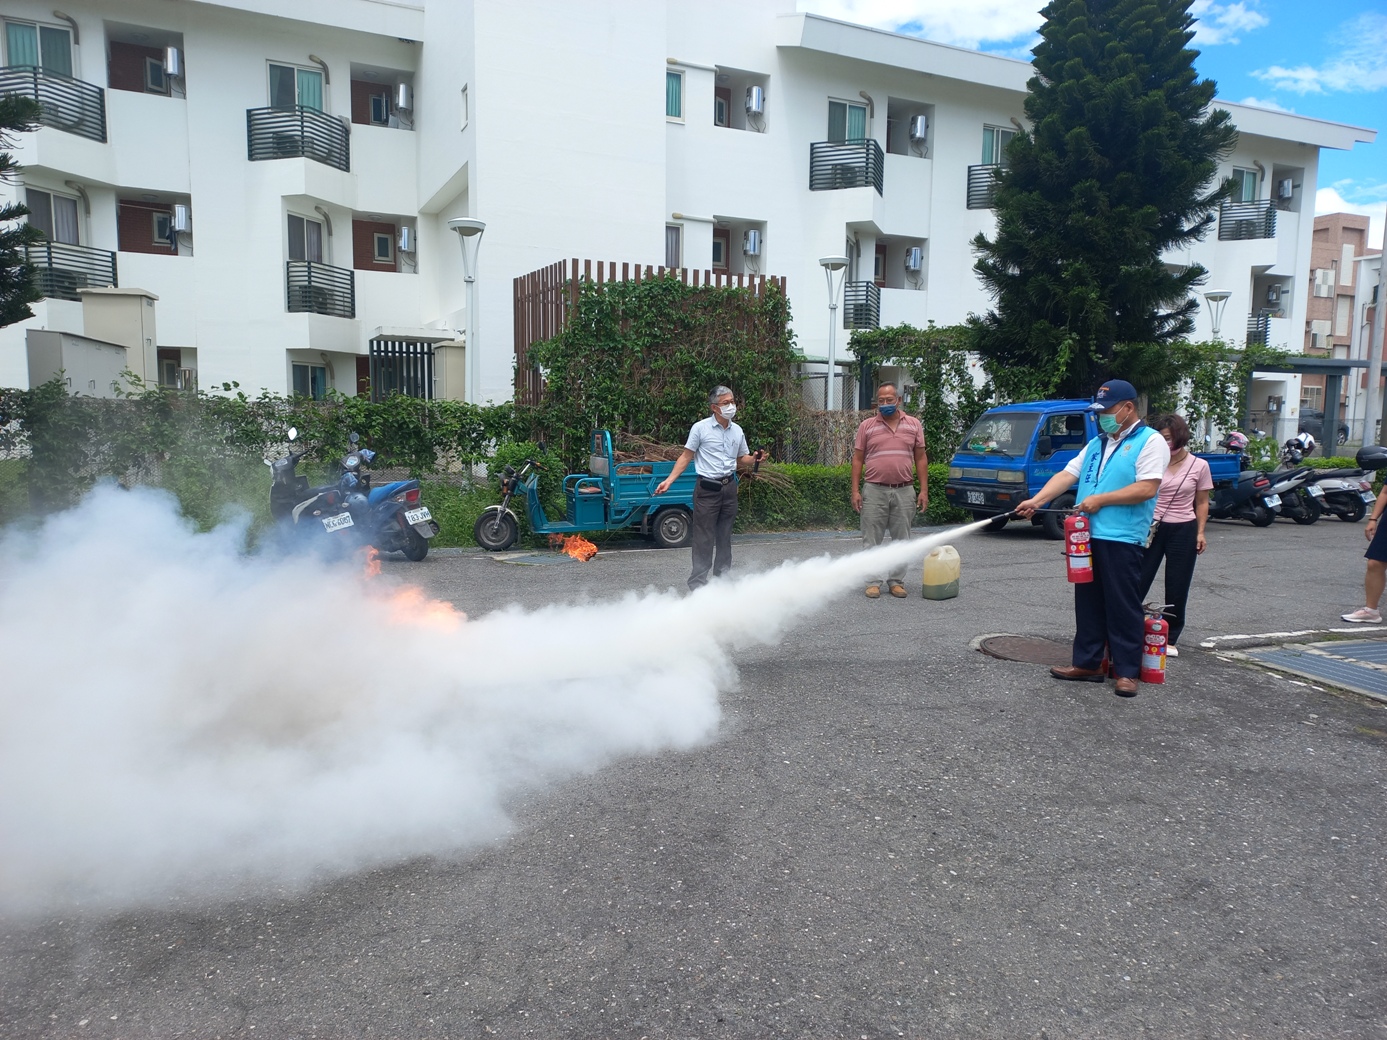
893	386
717	392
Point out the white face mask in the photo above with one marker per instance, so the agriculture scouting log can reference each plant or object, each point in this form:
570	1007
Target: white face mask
727	411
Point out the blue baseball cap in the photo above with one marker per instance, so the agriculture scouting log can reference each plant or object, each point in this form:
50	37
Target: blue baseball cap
1114	391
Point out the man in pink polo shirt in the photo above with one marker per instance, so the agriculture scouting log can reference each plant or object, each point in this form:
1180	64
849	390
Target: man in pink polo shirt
887	446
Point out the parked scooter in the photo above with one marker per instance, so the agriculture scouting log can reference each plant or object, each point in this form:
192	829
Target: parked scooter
300	508
1244	494
390	517
1346	493
1295	484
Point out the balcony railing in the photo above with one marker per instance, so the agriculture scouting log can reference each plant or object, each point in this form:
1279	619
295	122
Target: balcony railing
64	103
1244	220
61	269
312	288
1258	327
297	133
861	305
982	182
846	164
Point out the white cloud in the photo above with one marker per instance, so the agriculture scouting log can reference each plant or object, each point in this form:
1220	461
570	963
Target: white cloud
1223	23
1328	200
1359	64
1266	103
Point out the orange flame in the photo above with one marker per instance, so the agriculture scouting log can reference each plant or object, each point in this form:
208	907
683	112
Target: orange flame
372	568
574	545
410	606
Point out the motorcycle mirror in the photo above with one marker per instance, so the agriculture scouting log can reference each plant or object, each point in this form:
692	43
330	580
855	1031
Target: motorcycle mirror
293	433
354	437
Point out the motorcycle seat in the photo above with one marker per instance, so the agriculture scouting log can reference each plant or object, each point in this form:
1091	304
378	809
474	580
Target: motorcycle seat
1341	473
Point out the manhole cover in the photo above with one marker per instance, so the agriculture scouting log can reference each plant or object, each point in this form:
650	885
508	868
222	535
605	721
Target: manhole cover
1031	649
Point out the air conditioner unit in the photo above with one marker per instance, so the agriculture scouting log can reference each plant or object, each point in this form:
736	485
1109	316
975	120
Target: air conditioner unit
1273	293
405	240
751	242
181	218
755	101
919	128
404	97
1285	189
173	61
914	258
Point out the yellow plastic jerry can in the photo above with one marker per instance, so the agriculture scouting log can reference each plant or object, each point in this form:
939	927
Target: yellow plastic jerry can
941	573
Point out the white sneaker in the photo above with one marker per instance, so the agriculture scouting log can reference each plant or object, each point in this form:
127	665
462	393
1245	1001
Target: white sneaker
1363	615
1172	651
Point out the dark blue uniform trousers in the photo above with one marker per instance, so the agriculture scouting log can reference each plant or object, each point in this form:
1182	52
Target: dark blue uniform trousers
1107	610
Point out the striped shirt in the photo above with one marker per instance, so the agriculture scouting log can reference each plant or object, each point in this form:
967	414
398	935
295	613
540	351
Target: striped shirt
889	455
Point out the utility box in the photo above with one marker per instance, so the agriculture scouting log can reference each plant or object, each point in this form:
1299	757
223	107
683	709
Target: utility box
125	317
450	371
87	366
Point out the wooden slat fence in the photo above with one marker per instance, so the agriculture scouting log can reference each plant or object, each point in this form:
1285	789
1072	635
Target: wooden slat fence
545	298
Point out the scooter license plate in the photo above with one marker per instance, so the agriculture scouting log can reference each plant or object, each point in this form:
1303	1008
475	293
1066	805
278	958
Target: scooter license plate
418	516
1272	501
1367	496
338	522
1315	490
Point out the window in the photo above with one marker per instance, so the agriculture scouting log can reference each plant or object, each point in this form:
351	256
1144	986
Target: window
674	95
994	145
310	381
163	228
846	121
1324	281
305	239
720	109
384	250
380	109
722	240
290	86
54	215
46	46
155	81
674	246
1244	186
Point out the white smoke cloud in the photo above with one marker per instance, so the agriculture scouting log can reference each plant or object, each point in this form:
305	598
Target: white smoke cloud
179	719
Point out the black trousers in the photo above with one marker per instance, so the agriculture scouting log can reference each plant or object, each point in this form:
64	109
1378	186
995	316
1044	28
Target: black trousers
1175	543
713	514
1107	610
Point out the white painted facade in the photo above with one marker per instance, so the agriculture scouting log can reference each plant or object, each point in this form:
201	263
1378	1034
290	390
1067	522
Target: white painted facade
547	120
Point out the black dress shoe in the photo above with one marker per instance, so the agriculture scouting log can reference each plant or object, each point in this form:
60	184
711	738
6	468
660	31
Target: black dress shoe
1125	688
1075	674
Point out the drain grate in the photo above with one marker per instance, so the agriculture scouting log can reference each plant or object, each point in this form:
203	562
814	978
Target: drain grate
1030	649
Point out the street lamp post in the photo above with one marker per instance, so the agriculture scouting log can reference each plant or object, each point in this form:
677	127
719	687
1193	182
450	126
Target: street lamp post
469	231
1217	300
835	269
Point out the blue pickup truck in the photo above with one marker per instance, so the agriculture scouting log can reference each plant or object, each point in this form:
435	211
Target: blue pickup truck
1011	451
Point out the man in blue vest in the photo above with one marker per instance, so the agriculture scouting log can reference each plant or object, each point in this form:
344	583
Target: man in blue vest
1119	473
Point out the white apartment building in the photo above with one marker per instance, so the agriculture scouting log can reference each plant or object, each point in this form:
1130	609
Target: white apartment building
281	177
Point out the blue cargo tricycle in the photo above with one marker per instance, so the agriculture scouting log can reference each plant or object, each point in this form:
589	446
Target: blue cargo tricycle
610	496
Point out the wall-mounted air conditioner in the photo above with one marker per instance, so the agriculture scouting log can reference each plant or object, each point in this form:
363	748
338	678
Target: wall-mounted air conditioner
173	61
914	258
405	240
751	242
1285	189
181	219
919	128
404	97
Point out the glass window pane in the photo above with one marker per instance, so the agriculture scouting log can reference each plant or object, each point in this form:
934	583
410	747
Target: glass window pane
282	92
65	220
40	205
313	241
300	380
673	253
296	249
317	382
837	121
989	145
21	44
857	123
56	45
674	95
310	89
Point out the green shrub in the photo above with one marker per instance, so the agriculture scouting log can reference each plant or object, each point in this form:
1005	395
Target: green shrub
817	497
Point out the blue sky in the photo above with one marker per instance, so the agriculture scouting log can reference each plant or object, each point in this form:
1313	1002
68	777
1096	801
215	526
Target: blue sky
1324	60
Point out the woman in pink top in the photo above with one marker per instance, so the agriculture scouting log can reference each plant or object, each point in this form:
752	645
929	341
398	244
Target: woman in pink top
1182	510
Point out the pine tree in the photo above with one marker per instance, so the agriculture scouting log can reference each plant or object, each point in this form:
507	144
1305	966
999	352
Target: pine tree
1116	169
17	287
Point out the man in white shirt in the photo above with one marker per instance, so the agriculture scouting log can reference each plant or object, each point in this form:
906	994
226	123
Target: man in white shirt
1119	474
716	446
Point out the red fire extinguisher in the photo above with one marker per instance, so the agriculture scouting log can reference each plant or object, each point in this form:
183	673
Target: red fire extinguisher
1078	555
1153	646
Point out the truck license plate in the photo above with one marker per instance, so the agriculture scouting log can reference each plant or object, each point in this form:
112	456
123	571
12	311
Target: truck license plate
975	498
418	516
336	523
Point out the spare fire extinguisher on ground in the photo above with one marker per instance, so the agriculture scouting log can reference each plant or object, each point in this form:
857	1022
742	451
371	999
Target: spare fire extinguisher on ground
1153	643
1078	554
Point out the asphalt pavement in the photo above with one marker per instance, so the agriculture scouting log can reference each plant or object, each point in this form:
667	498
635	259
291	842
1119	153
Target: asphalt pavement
891	835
